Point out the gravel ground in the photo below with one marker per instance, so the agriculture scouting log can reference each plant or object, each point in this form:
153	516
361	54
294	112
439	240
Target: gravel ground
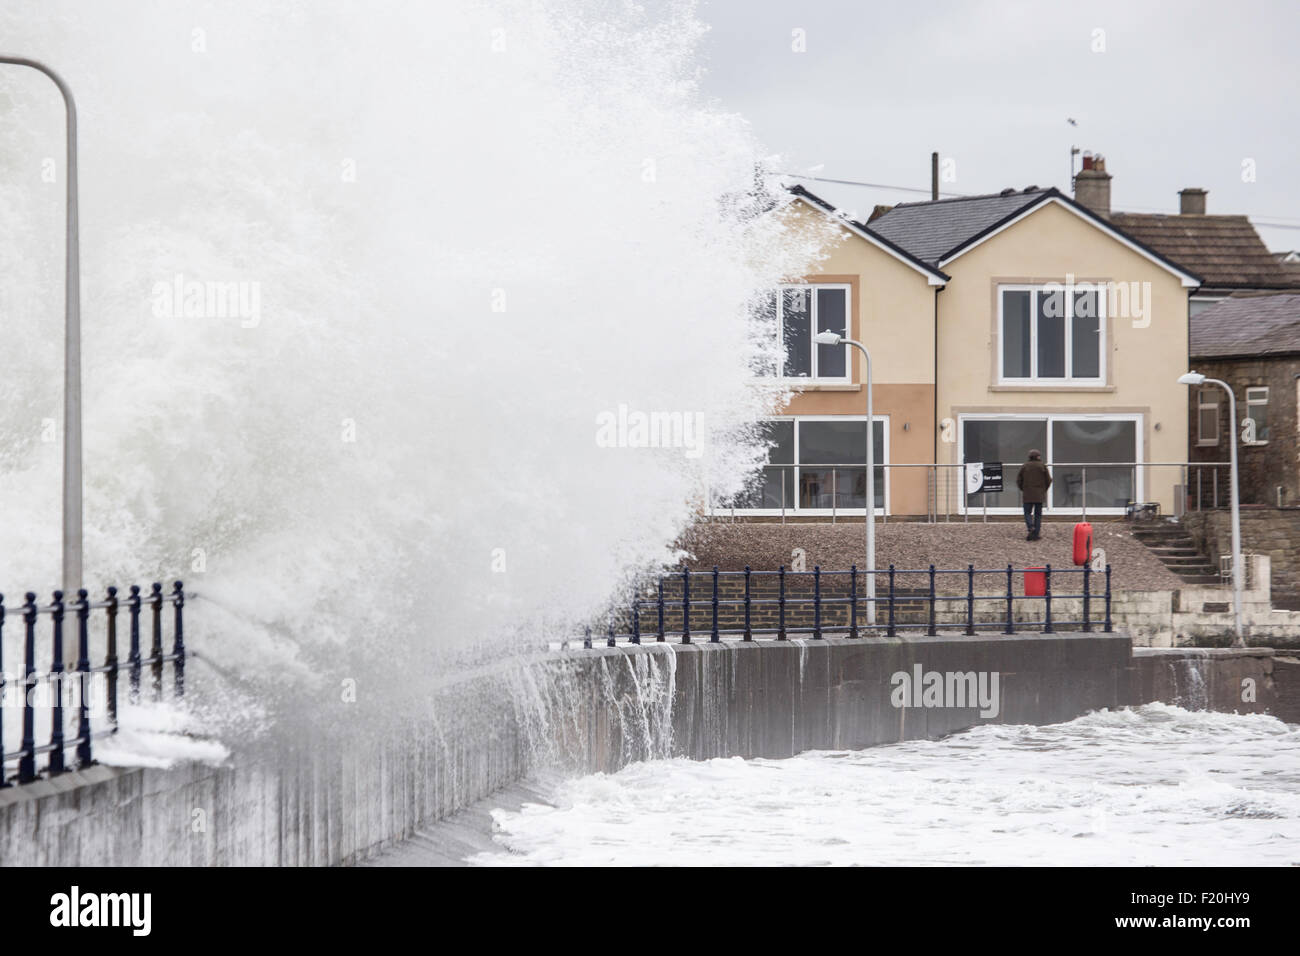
915	545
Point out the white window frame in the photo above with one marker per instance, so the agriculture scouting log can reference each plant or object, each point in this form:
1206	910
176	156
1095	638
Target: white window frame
1068	292
815	378
1207	398
1009	478
1253	401
793	471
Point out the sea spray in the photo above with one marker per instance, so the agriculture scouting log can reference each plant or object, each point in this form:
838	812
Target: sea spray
473	229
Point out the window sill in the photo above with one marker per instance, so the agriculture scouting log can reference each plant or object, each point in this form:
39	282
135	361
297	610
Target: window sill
1207	444
1037	387
823	386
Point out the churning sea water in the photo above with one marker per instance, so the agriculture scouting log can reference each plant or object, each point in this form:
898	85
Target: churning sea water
1155	785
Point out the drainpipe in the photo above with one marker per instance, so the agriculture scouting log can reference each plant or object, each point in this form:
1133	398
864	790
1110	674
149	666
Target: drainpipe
935	422
937	290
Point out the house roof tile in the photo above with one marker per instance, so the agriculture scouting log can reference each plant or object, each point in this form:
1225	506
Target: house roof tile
1225	251
930	230
1247	325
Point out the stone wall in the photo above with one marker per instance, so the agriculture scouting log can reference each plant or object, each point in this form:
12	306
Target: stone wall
1230	680
1274	532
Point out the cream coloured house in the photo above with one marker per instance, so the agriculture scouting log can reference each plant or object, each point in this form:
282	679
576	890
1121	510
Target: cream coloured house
996	324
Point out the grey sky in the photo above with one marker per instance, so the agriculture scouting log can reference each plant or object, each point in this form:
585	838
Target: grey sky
1182	95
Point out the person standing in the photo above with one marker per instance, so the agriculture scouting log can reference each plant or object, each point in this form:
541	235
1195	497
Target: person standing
1033	481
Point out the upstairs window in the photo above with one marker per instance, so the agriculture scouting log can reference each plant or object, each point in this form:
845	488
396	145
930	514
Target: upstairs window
1256	412
801	311
1207	416
1051	334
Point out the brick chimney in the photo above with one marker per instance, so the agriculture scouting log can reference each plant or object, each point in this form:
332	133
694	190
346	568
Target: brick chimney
1092	185
1191	202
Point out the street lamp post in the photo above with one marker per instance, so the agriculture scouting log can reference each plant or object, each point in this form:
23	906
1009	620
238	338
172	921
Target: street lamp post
1196	378
72	540
834	338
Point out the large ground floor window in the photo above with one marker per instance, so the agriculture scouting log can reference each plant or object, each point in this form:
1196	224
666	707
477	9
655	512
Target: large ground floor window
1102	448
817	465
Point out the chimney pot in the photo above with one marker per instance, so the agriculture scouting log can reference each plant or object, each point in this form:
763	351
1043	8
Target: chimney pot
1191	202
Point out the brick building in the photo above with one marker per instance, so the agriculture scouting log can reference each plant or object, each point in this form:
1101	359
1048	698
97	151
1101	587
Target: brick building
1253	344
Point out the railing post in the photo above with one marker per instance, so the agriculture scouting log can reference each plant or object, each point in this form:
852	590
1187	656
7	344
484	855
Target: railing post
780	604
853	601
932	630
3	683
686	604
609	628
892	629
27	763
133	654
110	659
713	635
1108	628
749	634
1047	599
178	642
817	602
155	648
1011	616
1087	597
636	620
55	682
586	638
660	600
84	758
970	599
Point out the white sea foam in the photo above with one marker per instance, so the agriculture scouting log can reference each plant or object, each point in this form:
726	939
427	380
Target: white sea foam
1156	785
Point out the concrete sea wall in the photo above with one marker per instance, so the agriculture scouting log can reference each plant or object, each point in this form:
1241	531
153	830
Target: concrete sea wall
340	801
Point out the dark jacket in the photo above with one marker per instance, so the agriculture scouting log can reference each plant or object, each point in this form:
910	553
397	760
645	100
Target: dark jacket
1034	480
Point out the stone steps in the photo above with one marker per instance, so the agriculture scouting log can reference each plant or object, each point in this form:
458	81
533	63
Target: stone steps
1177	551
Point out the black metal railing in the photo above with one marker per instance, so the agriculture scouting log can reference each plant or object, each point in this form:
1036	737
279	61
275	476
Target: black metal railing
817	602
75	683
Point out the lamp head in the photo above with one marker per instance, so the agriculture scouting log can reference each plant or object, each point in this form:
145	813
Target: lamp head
1191	378
828	338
